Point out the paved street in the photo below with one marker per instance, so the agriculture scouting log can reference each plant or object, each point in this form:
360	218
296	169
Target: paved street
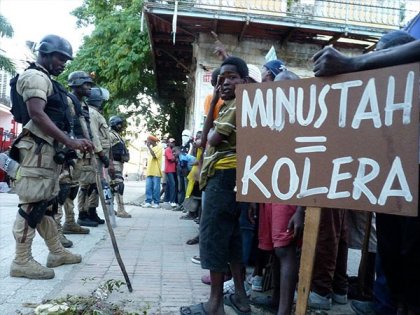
152	245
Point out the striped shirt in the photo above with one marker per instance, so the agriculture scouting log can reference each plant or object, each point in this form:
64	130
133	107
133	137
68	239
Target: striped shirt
222	156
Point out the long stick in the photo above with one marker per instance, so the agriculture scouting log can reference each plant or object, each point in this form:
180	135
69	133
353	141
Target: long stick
108	224
310	238
105	208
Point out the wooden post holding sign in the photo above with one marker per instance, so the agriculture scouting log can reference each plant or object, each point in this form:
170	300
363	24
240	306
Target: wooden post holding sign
348	141
307	258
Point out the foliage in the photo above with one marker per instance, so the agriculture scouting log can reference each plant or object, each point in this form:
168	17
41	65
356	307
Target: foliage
6	30
95	304
119	56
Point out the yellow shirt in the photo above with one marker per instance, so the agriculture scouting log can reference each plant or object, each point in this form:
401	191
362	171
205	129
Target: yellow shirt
223	155
154	164
226	163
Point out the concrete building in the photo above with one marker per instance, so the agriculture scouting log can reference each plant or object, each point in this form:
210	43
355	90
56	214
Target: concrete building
182	44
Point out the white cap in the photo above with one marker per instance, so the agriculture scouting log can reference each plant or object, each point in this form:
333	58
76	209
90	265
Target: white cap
254	73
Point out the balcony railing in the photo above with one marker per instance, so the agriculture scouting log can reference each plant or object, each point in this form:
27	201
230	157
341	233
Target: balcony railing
374	13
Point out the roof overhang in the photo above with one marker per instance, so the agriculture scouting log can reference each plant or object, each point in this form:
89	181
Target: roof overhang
173	60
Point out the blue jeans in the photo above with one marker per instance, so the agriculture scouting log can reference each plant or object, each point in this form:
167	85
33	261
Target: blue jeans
170	187
153	189
181	188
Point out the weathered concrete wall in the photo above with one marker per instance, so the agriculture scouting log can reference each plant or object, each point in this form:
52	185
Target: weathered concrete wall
297	58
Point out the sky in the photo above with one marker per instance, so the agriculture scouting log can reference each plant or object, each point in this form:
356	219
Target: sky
33	19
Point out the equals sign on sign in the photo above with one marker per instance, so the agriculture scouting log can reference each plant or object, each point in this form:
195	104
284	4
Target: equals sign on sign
315	144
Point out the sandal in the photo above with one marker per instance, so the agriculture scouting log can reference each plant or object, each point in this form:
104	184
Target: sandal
197	309
229	301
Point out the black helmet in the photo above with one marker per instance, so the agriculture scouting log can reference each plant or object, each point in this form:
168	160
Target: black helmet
97	96
77	78
115	120
53	43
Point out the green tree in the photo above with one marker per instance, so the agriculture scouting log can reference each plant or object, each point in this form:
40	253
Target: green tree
6	30
119	55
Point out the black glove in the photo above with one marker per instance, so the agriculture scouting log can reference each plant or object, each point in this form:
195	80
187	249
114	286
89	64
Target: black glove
104	159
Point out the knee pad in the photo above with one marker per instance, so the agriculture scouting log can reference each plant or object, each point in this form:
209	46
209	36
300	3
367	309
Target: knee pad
73	192
119	188
63	193
54	207
35	216
92	188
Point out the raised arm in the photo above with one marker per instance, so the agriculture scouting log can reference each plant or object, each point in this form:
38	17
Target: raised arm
330	61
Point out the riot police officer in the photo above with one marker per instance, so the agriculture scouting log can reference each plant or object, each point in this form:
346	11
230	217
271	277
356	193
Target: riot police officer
80	83
42	140
102	145
120	156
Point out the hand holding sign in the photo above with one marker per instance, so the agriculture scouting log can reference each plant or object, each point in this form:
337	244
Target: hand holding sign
330	61
349	141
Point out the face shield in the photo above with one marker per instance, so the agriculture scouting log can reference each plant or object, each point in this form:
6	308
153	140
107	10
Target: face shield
105	94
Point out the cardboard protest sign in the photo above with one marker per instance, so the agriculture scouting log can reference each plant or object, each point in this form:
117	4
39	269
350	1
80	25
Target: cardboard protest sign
348	141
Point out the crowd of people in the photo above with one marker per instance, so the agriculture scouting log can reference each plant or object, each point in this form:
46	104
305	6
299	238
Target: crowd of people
171	173
55	156
234	235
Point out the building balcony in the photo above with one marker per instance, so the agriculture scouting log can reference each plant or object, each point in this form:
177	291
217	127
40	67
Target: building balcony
369	16
174	27
385	13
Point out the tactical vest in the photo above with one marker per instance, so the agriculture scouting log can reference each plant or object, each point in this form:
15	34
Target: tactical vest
119	150
77	129
57	108
80	114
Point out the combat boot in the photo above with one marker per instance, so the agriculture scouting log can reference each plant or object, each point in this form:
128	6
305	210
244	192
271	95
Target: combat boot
25	266
74	228
70	226
85	220
123	214
58	255
64	240
93	215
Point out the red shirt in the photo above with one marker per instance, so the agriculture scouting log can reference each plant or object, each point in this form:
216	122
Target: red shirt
170	167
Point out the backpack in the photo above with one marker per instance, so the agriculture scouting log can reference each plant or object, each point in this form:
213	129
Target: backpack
19	109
